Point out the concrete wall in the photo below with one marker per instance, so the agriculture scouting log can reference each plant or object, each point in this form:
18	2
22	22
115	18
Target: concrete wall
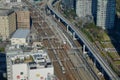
18	41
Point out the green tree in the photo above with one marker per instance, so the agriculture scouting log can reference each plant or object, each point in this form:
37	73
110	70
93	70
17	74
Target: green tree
2	49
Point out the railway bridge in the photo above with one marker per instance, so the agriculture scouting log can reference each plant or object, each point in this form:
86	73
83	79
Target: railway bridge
93	52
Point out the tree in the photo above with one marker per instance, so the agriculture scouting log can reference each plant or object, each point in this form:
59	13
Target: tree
2	49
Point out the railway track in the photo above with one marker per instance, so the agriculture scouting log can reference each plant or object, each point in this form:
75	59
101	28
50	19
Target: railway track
80	54
57	53
63	55
70	74
104	66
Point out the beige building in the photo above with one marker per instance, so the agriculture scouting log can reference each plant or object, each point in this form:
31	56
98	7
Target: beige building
7	23
23	19
20	37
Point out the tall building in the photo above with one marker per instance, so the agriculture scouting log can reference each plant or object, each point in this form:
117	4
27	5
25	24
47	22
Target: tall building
94	9
7	23
83	8
23	19
68	4
106	13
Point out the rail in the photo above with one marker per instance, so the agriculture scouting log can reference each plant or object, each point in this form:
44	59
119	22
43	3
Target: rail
88	44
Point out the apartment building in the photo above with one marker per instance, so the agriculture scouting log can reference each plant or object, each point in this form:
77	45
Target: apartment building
68	4
106	13
23	19
7	23
83	8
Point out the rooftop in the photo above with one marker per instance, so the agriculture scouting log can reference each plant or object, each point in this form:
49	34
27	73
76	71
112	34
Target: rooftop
21	33
5	12
34	58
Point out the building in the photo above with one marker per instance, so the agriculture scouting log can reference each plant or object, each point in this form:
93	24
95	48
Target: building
94	10
20	37
23	19
106	13
10	1
84	8
68	4
9	5
13	3
7	23
2	66
28	64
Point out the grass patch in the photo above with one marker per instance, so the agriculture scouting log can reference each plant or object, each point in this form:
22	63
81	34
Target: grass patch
97	33
105	37
117	62
112	55
2	49
116	69
107	45
70	14
29	59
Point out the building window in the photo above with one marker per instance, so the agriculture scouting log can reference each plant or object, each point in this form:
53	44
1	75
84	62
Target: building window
21	73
